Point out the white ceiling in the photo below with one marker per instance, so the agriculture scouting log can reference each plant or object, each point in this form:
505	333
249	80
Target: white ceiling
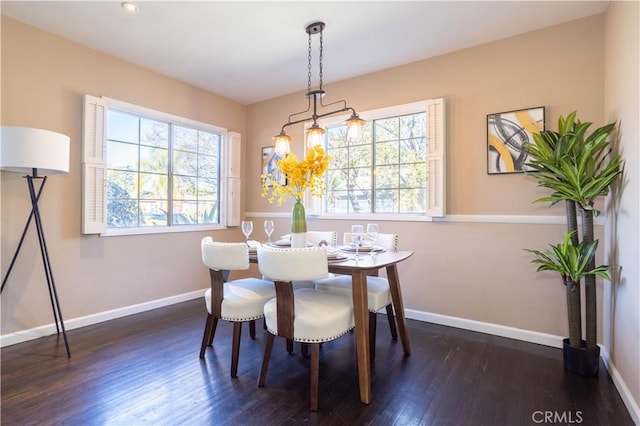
250	51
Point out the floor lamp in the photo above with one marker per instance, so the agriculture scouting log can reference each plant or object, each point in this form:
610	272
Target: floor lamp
28	150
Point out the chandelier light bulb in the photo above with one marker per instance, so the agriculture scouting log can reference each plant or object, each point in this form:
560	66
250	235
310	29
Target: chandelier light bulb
315	135
130	7
282	146
354	128
354	134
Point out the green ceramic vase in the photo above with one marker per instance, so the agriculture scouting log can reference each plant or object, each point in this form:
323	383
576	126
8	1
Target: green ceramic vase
298	225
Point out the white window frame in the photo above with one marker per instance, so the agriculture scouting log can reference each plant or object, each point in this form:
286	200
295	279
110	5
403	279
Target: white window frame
94	170
436	162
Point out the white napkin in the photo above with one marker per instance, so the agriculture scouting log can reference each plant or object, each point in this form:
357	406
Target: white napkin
332	251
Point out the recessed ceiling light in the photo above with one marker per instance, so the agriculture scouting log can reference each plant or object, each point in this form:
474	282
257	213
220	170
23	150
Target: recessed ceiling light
130	7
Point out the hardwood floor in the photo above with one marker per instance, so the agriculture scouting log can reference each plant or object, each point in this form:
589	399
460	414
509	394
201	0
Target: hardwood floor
144	370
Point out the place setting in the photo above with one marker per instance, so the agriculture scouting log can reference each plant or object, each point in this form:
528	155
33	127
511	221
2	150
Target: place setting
334	254
358	242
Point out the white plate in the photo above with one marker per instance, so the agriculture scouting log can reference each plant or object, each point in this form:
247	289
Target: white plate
351	248
285	243
338	257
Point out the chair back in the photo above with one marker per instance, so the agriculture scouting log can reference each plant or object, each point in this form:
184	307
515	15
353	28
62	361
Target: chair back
293	264
224	256
388	241
317	237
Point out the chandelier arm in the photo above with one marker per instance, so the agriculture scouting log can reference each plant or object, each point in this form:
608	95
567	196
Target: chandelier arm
344	103
291	123
298	113
338	111
327	114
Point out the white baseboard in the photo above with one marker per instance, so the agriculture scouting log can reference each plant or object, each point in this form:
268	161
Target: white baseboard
466	324
624	391
488	328
70	324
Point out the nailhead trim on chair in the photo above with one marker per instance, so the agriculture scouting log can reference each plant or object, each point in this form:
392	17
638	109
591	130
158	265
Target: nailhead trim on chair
241	319
328	339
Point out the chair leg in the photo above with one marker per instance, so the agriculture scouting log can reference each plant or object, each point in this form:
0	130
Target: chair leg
207	335
265	360
392	322
252	329
304	349
214	325
235	350
289	345
373	319
315	370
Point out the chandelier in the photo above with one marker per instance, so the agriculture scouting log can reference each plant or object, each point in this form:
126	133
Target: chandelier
315	133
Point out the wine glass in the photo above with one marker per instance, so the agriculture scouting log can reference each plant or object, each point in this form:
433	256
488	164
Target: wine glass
268	228
357	234
372	235
247	229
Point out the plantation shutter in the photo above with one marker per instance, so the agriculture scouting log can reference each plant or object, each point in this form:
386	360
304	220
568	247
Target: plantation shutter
436	159
234	187
93	165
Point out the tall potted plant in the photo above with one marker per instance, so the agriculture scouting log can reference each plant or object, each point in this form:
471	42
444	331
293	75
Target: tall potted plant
578	168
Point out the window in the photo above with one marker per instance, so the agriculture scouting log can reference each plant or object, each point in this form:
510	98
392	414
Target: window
397	166
146	171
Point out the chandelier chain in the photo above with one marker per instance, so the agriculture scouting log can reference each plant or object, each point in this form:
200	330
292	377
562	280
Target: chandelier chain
309	65
320	73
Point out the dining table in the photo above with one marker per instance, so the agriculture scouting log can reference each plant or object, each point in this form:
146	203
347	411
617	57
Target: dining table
359	267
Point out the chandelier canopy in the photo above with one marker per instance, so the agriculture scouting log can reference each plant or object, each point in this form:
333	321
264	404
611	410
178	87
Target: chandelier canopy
315	133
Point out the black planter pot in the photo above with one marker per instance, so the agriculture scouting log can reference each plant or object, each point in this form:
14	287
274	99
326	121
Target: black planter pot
582	361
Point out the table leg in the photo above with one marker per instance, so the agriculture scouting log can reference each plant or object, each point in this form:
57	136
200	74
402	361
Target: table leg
398	306
361	317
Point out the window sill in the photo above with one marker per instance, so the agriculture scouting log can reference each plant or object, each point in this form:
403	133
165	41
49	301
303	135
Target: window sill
382	217
161	230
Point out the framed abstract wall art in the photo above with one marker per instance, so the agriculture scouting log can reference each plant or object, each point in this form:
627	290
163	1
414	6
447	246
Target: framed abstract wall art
270	165
507	132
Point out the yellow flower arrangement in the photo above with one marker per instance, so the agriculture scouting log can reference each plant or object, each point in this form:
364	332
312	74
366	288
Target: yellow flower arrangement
301	176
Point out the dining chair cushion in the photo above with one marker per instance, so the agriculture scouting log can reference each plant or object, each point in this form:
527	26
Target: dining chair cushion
378	294
320	316
243	299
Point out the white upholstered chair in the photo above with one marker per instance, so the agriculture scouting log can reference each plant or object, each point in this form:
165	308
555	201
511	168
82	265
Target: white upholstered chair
306	315
318	238
378	292
236	301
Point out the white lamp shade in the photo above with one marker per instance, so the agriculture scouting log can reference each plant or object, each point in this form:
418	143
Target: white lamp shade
23	149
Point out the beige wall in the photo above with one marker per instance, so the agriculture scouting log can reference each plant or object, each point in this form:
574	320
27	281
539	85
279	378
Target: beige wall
476	271
622	103
43	80
467	267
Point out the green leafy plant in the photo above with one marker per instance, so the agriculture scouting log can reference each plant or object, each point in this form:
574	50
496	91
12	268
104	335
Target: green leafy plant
572	262
578	168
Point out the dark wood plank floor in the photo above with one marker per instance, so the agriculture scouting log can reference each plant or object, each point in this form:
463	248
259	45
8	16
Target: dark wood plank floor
144	370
